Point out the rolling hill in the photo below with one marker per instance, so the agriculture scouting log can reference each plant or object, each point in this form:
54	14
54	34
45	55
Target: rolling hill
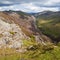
49	23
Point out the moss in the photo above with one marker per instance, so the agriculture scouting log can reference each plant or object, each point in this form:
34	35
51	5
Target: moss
11	32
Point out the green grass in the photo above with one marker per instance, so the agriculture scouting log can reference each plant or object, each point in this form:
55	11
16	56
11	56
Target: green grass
10	57
35	55
9	54
36	52
42	54
50	28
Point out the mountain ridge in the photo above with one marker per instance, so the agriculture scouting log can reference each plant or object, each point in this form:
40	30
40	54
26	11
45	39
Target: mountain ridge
49	23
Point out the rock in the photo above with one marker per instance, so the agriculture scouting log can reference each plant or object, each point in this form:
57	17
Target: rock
11	35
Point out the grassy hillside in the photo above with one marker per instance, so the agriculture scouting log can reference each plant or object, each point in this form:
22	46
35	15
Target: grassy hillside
49	24
34	52
30	49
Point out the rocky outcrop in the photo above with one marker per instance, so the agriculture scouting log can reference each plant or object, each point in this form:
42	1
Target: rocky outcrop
11	35
25	24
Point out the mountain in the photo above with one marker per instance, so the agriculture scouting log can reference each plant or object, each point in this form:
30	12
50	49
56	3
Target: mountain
25	36
19	18
16	27
49	23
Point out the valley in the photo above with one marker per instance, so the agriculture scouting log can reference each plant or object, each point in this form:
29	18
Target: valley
49	24
26	36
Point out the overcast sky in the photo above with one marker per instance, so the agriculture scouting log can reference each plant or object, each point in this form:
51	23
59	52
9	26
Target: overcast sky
30	5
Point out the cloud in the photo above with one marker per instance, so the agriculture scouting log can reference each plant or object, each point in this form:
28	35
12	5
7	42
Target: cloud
30	5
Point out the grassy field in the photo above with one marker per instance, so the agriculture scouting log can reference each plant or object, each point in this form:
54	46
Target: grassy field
42	52
9	54
34	51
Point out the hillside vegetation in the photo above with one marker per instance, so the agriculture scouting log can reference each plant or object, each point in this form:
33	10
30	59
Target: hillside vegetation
49	24
22	39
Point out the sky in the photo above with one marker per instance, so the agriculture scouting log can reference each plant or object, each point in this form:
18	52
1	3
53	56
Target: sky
30	5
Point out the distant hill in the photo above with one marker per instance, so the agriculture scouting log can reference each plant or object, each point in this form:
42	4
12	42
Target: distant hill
49	23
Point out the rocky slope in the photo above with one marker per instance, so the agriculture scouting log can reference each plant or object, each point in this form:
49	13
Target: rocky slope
11	35
15	27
